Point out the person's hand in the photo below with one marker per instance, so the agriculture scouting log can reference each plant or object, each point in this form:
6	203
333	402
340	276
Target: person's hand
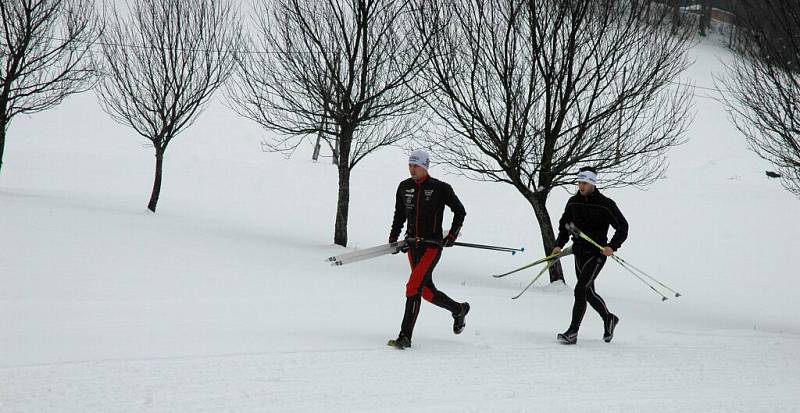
403	248
608	251
448	241
393	240
557	250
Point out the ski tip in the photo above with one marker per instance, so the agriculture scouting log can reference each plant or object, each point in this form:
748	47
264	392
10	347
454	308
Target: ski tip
663	298
513	253
522	249
677	294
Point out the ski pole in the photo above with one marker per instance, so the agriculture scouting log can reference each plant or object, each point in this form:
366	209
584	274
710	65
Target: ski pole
625	264
663	297
490	247
575	231
622	262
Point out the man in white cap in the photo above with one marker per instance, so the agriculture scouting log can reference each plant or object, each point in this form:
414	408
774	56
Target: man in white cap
592	213
419	204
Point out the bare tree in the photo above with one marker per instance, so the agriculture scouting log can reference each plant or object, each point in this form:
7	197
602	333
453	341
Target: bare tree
163	63
764	84
528	91
339	68
45	55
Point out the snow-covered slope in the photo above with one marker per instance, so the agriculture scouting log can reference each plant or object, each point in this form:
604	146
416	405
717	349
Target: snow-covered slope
221	301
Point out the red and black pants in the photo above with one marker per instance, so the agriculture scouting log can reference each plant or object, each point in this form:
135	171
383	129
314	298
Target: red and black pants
423	259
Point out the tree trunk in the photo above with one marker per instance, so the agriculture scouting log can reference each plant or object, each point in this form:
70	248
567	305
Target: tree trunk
157	182
538	202
342	206
343	203
4	123
2	141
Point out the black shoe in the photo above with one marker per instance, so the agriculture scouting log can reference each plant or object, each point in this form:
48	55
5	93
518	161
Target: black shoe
401	343
458	319
568	337
610	324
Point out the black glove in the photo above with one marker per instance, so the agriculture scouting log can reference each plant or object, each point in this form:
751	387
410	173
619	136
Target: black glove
403	248
448	241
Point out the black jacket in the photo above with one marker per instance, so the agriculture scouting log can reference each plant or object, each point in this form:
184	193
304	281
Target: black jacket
592	215
421	207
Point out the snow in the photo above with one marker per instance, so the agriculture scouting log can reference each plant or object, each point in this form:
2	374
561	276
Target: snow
221	301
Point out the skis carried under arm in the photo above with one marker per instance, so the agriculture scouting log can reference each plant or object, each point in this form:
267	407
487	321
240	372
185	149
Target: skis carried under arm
550	262
366	253
564	252
542	271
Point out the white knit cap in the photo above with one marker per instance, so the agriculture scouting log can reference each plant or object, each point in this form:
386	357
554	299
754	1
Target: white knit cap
587	176
419	157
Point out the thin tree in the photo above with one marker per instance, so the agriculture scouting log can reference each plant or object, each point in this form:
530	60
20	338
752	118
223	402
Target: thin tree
45	55
526	92
335	68
764	84
162	61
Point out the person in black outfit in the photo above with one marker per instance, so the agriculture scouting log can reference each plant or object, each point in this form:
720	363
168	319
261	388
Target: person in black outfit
420	202
592	213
